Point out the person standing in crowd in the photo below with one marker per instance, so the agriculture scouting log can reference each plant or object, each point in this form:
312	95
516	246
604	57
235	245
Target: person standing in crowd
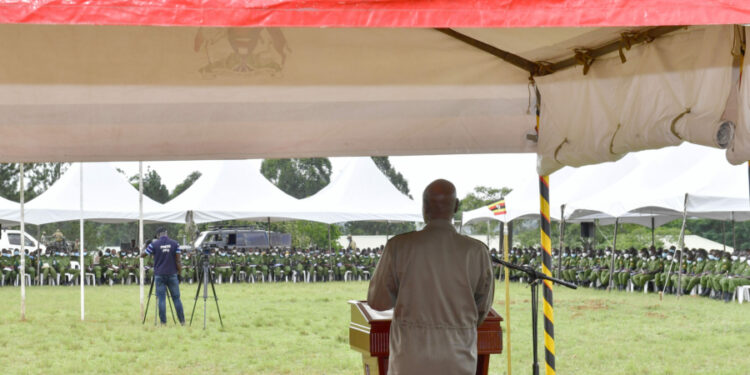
441	288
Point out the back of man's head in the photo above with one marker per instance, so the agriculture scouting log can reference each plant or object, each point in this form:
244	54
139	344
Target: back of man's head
161	232
439	201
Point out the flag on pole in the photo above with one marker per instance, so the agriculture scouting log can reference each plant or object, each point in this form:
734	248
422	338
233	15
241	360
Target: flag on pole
498	208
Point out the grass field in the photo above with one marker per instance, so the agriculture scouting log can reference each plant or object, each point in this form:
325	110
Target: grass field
302	329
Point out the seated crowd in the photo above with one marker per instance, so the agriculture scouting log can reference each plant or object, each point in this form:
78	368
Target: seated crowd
226	265
715	274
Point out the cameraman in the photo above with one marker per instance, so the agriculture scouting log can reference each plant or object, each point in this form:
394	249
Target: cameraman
167	266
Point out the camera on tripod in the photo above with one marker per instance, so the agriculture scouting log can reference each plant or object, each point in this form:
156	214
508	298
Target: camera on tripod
204	279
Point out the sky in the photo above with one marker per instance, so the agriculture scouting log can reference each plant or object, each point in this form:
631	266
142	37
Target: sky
465	171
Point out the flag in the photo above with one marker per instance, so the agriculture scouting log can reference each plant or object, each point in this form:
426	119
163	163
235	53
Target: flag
498	208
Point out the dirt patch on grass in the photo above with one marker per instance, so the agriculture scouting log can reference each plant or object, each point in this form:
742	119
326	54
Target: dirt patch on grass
593	304
589	305
657	315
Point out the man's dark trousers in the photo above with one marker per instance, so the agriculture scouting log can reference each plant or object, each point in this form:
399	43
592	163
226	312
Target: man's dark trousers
162	283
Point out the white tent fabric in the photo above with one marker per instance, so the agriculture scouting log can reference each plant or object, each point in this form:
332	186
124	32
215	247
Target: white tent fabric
9	211
217	93
187	93
234	190
360	192
566	185
108	197
639	187
670	90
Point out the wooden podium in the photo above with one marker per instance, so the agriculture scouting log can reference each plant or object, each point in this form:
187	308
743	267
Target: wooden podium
369	334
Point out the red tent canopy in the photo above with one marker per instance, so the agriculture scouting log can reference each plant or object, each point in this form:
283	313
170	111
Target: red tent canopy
378	13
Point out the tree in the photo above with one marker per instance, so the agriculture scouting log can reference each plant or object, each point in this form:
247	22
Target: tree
152	186
379	228
299	178
185	184
39	177
396	178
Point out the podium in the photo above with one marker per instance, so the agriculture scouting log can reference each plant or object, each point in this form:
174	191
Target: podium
369	334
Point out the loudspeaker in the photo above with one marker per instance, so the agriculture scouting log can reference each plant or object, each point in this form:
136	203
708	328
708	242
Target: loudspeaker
587	230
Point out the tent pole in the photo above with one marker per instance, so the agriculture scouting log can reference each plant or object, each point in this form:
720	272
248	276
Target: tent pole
562	241
141	269
81	245
488	233
501	235
387	230
724	234
506	256
612	261
461	224
268	233
680	242
547	295
23	250
653	239
734	234
329	238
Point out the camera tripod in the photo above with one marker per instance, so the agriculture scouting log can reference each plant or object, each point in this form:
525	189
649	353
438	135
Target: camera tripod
156	310
203	279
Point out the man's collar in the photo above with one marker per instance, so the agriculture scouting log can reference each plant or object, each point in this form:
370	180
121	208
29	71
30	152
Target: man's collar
441	223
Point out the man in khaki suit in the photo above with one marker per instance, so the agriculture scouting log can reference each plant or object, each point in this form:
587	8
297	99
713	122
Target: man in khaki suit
440	285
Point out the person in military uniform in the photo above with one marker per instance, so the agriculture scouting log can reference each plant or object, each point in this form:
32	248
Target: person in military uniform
106	268
7	268
239	263
59	239
188	268
48	263
352	245
738	275
222	265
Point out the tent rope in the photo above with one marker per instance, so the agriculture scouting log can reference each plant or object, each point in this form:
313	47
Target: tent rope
612	141
559	147
672	127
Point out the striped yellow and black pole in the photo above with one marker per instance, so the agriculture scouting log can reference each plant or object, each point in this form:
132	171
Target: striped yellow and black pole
545	227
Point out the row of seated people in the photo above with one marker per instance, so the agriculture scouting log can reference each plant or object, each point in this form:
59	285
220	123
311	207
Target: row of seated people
716	274
226	265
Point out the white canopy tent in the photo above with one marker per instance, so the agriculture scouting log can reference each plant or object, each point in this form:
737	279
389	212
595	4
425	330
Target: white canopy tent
108	197
360	192
638	188
234	190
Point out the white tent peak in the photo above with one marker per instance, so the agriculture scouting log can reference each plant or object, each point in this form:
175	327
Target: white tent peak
359	191
107	197
234	190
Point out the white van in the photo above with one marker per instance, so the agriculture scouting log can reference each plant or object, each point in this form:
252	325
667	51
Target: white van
11	239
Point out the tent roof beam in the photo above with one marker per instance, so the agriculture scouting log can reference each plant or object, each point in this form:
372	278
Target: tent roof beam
582	57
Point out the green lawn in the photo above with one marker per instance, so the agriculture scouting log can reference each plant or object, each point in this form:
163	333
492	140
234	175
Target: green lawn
302	329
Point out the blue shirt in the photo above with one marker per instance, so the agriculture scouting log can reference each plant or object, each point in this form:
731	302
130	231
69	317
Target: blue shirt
165	251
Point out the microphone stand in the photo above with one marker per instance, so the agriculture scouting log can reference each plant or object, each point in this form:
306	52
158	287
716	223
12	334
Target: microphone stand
535	278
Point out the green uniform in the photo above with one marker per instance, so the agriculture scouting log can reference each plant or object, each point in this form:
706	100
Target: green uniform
48	270
738	276
649	268
107	271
